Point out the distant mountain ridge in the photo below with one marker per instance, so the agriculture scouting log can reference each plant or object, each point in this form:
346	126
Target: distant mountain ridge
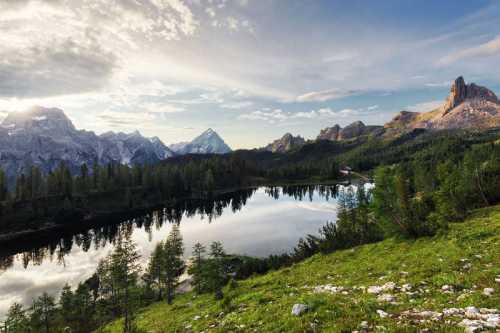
209	142
286	143
45	137
468	106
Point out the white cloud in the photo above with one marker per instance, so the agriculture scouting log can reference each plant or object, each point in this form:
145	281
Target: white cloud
278	115
483	50
438	84
63	47
325	95
424	106
210	11
340	57
237	105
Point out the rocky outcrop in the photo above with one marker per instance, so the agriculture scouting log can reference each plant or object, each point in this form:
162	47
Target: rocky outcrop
461	92
330	133
286	143
467	106
352	131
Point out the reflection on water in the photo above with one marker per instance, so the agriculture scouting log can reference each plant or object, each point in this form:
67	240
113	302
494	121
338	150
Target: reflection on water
256	222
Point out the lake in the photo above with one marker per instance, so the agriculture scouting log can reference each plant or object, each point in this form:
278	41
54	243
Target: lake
255	222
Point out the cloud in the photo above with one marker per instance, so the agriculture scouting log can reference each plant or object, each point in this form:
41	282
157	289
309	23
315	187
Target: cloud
340	57
325	95
438	84
278	115
119	119
424	106
210	11
237	105
483	50
63	68
64	47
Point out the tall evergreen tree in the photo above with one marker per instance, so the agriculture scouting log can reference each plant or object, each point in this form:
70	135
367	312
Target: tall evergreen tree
174	266
196	270
217	273
43	312
16	321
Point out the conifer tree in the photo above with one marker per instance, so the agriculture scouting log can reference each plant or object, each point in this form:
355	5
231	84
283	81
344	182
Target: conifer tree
217	274
43	312
174	266
196	270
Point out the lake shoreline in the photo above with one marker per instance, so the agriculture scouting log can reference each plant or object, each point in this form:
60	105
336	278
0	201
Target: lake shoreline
10	242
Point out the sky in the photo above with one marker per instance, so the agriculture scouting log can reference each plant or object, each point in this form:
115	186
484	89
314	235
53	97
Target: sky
250	69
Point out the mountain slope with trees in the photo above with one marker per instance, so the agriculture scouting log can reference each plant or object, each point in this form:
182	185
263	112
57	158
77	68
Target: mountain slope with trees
396	284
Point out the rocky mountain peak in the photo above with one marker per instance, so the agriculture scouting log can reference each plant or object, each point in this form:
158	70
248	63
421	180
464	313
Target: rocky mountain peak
50	121
208	142
330	133
460	92
467	106
286	143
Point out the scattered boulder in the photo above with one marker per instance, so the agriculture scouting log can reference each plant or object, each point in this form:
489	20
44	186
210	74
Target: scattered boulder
386	298
298	309
382	314
488	291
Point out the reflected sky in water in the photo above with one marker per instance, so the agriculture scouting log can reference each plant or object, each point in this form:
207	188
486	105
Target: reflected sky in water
263	226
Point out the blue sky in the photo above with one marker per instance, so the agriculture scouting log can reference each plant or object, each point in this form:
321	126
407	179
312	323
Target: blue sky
250	69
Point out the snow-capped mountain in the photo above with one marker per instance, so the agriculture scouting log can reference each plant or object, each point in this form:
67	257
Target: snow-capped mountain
45	137
208	142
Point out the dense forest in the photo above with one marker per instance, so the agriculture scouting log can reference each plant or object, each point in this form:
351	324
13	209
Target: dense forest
420	187
60	196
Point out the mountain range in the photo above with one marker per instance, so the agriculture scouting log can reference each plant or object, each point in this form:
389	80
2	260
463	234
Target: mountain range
45	137
468	106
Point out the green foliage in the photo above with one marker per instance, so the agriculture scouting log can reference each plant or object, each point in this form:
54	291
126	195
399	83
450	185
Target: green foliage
263	303
43	313
17	321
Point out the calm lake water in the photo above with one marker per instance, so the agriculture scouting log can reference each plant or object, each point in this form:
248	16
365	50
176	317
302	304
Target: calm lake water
256	222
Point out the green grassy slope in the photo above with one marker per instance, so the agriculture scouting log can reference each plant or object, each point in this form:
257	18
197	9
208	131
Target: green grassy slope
467	258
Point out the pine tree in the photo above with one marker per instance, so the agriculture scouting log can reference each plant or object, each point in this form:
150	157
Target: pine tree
3	186
153	276
174	266
16	321
43	312
217	274
196	270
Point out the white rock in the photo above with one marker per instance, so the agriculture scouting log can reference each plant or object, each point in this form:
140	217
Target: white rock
406	287
488	291
298	309
493	321
471	326
389	286
374	290
386	298
382	314
452	312
364	325
447	287
471	312
196	318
